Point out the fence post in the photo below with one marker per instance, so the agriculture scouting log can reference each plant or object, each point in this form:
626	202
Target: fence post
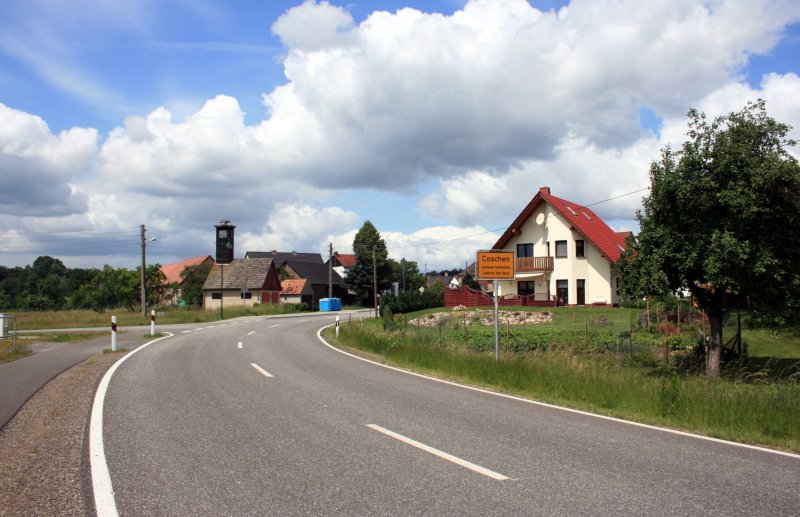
466	345
630	333
586	331
113	333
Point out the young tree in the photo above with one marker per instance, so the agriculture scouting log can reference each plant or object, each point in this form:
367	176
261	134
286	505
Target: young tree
720	219
193	279
367	245
406	273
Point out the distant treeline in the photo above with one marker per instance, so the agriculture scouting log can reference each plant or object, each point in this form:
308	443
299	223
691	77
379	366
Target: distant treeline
49	285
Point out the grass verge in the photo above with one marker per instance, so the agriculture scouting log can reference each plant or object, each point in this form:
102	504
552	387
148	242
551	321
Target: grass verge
765	414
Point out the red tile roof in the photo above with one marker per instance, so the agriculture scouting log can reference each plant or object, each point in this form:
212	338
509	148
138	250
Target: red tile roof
587	223
293	286
345	260
172	272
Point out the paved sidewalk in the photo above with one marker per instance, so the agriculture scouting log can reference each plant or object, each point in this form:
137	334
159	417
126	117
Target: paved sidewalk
21	379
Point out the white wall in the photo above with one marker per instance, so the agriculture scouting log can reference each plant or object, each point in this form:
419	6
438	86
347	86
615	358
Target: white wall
594	268
231	298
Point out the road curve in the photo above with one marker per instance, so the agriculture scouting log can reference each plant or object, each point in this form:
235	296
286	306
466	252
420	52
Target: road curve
260	418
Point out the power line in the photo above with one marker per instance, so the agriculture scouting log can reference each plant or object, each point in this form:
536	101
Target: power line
617	197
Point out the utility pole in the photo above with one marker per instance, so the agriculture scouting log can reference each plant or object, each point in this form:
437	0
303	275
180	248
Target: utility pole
330	271
375	280
144	287
403	263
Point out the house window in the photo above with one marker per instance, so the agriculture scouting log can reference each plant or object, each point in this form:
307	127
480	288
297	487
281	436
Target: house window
579	248
562	291
246	296
561	249
216	296
525	288
525	250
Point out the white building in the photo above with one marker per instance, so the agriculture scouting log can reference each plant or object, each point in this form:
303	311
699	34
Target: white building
564	252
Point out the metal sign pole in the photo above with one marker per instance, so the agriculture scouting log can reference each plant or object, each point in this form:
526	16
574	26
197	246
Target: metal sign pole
496	323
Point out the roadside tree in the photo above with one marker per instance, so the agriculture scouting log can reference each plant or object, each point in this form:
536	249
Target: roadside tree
368	246
721	220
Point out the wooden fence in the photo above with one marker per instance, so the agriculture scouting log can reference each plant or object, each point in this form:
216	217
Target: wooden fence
467	297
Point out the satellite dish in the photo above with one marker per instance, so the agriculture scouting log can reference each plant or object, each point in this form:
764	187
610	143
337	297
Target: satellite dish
540	218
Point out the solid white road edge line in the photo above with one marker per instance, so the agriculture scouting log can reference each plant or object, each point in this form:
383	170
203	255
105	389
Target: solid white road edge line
436	452
263	371
101	479
561	408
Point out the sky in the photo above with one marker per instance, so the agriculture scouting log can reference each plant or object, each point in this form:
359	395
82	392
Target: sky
438	121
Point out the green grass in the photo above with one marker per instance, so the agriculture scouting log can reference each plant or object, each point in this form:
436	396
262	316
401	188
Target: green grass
756	412
7	352
766	343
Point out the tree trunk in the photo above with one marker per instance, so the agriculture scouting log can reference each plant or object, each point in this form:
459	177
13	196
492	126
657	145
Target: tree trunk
714	356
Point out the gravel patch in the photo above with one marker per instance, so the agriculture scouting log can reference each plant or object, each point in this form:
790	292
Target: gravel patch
42	462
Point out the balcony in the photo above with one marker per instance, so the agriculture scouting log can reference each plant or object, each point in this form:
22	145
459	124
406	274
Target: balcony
534	264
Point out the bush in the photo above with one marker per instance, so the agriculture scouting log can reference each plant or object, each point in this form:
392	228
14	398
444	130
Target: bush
411	301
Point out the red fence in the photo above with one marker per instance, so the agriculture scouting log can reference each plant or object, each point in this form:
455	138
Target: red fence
467	297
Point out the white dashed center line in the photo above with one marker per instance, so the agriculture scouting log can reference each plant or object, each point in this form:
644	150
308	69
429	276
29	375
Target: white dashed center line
263	371
436	452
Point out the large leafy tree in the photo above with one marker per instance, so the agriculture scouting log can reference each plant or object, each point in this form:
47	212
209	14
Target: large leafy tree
721	219
367	245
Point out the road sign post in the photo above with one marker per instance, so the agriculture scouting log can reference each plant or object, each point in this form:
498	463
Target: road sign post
496	265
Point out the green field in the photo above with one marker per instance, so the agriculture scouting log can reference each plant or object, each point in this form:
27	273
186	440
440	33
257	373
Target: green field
171	315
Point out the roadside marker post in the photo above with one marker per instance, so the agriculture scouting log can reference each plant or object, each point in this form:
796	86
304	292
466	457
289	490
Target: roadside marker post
113	333
337	326
152	322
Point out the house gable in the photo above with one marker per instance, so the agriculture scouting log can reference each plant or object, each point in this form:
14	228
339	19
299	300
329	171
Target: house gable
256	273
579	218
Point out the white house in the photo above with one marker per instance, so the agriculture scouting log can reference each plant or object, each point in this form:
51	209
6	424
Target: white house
564	252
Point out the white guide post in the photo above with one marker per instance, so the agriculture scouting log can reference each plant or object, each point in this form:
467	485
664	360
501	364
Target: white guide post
113	333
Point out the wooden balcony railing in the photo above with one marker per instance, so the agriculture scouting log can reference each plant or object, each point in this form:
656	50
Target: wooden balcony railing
534	264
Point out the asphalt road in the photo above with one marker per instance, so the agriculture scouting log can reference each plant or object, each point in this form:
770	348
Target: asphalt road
197	424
